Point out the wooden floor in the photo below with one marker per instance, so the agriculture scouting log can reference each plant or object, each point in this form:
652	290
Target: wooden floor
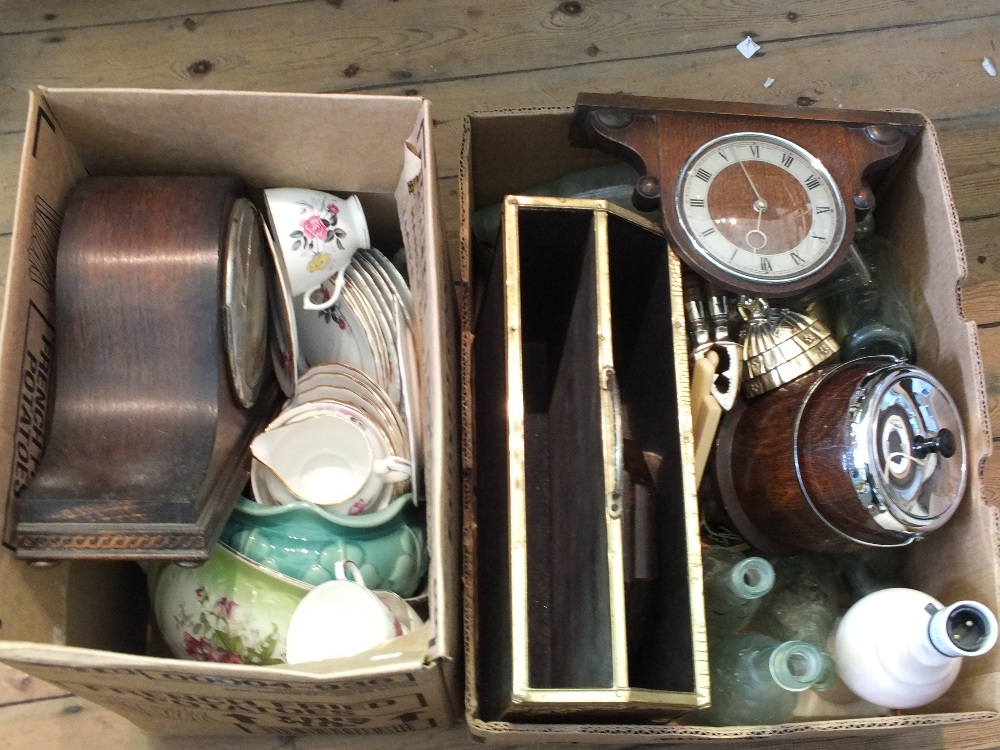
919	54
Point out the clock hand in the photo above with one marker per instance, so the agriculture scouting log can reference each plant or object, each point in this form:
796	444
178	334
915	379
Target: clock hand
759	206
760	200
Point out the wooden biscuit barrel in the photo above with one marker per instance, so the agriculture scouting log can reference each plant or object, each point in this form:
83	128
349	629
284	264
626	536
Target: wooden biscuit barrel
865	453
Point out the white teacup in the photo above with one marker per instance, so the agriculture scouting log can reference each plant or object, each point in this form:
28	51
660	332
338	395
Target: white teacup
327	460
317	235
343	617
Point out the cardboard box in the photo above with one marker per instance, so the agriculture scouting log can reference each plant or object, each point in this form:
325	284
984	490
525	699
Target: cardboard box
82	625
508	153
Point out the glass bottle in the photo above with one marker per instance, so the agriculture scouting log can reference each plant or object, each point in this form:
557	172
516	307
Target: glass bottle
757	679
803	605
734	585
613	182
872	571
875	318
864	303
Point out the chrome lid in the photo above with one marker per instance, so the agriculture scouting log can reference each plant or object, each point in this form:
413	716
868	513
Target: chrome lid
908	449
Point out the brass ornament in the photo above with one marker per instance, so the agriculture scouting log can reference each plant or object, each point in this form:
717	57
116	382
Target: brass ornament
778	345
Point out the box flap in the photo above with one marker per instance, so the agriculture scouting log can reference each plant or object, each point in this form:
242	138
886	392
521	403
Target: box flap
181	697
435	333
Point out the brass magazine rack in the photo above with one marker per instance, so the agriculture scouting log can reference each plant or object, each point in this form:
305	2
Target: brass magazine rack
588	587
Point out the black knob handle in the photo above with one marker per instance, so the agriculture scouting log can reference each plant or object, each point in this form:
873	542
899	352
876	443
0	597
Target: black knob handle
943	443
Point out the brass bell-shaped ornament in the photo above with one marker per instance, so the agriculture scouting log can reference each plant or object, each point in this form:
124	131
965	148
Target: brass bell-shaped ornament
779	345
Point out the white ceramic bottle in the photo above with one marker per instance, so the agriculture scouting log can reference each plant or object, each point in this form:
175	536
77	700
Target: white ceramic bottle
901	648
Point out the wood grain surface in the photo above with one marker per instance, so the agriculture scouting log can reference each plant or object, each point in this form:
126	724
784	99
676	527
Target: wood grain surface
917	54
133	375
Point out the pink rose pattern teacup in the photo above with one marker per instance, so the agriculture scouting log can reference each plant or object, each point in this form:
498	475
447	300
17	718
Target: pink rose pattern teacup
317	235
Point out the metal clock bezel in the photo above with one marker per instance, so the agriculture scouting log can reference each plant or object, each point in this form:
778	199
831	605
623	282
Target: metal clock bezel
744	282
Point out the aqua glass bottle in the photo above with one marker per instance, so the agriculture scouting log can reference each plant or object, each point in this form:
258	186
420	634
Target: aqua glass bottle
861	581
875	318
756	679
871	571
803	604
865	303
734	586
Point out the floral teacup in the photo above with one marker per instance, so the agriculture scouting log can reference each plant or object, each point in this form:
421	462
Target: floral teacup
229	610
317	235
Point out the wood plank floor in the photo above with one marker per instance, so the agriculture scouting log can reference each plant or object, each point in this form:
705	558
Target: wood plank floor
919	54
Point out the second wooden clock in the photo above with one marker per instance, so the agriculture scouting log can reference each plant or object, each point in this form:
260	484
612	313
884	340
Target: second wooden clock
760	200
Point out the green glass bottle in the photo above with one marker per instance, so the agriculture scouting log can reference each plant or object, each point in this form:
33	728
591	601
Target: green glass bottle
757	679
865	303
872	571
803	604
734	587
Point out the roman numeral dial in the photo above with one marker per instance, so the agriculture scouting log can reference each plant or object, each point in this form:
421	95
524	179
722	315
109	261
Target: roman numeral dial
758	210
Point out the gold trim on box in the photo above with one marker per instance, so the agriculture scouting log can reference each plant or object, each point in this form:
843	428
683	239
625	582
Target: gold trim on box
609	407
515	427
620	693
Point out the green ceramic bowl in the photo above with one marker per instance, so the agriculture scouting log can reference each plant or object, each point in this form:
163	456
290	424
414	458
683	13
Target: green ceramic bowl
305	542
229	610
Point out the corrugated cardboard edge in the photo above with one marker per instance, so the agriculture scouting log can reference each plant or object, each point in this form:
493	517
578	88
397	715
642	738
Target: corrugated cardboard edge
509	733
167	696
976	377
439	334
959	367
635	734
469	529
28	310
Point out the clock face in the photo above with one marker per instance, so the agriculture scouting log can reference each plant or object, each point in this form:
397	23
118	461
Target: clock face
763	212
245	303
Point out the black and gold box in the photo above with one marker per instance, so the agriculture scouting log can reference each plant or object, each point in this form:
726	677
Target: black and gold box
587	585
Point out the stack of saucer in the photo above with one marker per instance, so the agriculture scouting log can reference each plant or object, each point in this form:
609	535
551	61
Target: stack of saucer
360	330
340	443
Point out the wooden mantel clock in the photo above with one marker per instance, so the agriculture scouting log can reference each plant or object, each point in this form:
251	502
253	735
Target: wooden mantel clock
163	378
761	200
